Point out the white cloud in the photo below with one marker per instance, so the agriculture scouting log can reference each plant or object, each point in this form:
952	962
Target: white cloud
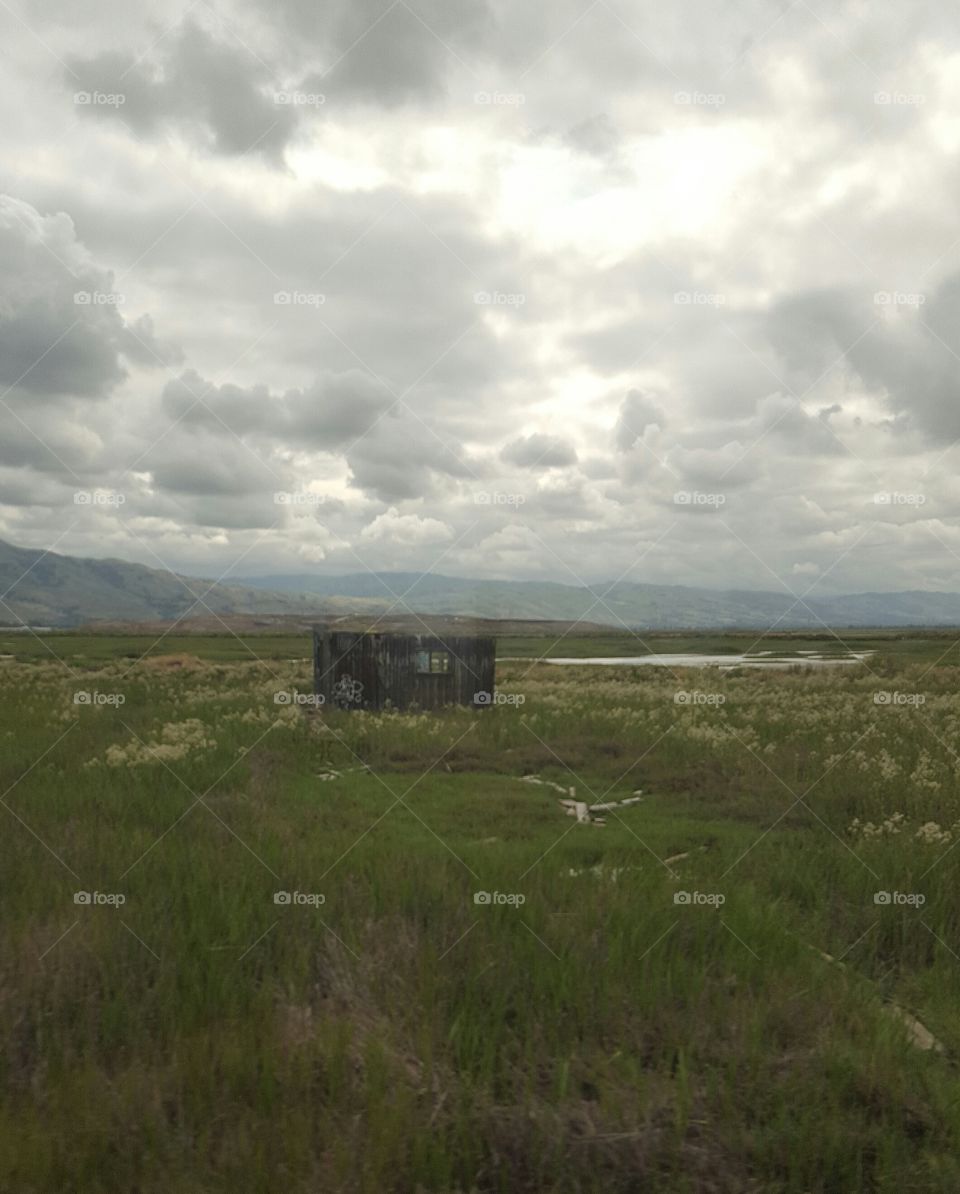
406	530
698	275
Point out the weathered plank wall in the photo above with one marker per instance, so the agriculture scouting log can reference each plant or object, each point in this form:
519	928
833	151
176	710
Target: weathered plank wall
372	671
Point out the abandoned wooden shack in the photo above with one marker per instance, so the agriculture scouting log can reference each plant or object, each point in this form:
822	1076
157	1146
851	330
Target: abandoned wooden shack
354	670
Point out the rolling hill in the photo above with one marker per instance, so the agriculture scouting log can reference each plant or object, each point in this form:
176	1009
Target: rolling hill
661	607
46	589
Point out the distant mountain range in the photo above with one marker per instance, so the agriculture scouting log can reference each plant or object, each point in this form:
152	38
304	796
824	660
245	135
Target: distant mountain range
48	589
655	607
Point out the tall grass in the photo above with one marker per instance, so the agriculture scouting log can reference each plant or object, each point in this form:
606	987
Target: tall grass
402	1036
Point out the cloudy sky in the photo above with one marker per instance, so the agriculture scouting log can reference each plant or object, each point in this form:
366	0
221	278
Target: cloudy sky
579	290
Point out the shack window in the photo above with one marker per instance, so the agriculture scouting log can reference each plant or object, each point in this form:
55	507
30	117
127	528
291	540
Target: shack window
433	663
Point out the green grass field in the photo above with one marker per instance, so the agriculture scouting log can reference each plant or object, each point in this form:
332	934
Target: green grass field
747	1018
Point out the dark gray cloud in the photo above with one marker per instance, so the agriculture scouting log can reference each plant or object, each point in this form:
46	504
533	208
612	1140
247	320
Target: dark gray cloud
218	93
423	258
334	411
406	461
210	466
685	222
903	345
809	331
381	52
392	454
62	333
637	412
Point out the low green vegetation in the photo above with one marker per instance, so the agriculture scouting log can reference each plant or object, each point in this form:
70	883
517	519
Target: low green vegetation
80	648
253	945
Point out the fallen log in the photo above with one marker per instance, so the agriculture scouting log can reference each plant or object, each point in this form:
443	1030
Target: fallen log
917	1033
685	854
605	808
576	808
547	783
334	774
585	813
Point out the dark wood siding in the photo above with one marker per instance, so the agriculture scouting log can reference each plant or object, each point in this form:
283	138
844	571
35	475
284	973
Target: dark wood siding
376	671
